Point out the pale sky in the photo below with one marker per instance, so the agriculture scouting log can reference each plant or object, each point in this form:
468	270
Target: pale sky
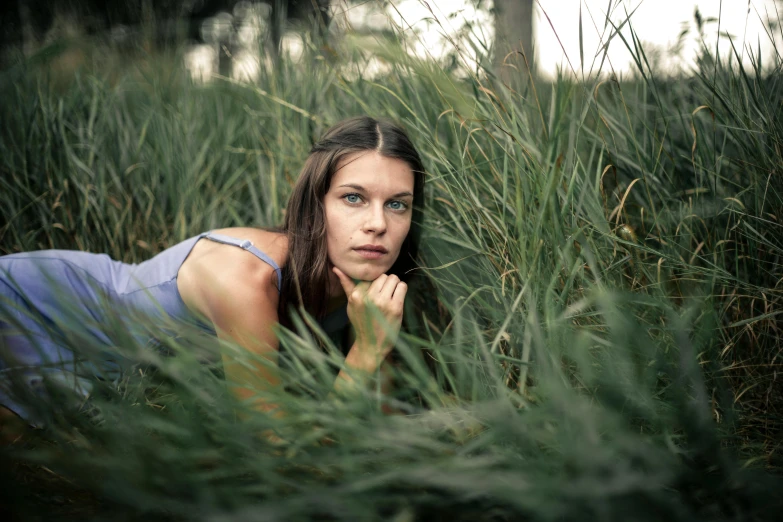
657	23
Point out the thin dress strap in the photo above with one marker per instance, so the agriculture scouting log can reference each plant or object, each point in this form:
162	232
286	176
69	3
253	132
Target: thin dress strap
247	245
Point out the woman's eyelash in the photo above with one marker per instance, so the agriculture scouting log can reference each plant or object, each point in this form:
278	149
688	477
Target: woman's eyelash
403	205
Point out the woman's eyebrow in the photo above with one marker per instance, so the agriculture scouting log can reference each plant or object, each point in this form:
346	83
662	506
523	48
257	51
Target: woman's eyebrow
359	187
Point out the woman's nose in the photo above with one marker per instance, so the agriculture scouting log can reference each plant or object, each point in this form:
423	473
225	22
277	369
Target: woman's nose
376	220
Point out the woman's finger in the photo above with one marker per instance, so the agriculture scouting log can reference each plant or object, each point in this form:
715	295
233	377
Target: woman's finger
400	291
389	285
377	285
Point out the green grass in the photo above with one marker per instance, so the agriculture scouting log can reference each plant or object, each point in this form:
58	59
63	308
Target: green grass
603	343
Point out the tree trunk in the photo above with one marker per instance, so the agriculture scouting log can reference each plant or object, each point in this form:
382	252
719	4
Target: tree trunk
514	57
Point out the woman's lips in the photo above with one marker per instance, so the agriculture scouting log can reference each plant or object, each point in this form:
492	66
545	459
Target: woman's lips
370	254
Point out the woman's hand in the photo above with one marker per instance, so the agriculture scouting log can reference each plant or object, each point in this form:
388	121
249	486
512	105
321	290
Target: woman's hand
375	311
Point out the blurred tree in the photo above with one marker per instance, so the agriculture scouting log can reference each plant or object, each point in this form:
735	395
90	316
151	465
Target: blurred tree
26	22
514	56
314	14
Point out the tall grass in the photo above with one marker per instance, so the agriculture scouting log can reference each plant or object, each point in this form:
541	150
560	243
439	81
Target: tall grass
602	344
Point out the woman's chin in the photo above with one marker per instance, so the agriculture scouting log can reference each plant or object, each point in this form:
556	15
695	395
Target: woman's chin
365	273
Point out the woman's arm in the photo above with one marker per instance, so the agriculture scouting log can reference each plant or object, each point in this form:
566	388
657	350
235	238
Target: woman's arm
375	311
246	315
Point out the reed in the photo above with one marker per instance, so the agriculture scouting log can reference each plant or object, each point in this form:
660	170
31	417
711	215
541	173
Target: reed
603	342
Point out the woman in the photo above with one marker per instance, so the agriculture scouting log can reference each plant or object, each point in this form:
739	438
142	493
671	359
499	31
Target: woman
349	239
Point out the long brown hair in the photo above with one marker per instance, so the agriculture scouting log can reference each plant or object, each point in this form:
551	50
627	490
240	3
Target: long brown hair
306	272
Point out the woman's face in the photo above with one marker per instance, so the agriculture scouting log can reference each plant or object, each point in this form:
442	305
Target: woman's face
368	214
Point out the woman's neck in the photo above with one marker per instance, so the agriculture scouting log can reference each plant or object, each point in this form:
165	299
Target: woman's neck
335	302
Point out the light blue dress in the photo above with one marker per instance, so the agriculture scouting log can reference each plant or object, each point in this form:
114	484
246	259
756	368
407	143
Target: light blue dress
77	295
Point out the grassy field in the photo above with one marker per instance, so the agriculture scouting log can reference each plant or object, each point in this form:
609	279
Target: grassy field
603	342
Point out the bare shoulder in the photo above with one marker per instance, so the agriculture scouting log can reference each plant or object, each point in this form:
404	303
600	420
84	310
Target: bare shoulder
219	277
273	244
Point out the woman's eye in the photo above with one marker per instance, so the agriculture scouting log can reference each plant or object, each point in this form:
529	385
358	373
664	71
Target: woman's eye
352	198
397	205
